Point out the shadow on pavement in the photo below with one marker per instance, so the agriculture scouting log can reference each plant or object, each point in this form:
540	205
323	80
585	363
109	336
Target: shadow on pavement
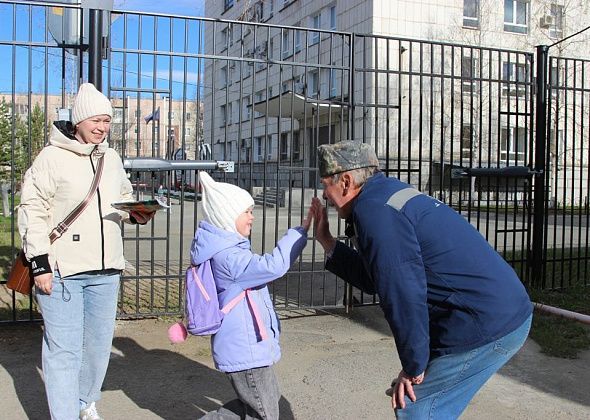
169	384
20	355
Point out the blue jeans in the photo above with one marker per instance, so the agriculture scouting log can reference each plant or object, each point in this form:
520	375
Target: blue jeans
452	380
258	396
79	321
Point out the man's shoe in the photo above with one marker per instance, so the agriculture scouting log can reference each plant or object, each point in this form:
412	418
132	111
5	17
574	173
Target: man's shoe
90	413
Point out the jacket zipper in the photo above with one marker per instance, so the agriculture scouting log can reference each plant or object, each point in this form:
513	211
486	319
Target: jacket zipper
99	210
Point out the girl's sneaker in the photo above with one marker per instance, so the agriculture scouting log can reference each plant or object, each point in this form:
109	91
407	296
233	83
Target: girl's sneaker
90	413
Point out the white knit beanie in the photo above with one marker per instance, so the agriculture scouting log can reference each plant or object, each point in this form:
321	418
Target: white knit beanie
90	102
222	202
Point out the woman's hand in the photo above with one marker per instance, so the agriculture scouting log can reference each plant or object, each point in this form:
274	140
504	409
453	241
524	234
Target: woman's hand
44	282
140	217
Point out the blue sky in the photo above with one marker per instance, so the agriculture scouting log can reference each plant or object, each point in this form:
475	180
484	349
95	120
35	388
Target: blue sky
146	70
175	7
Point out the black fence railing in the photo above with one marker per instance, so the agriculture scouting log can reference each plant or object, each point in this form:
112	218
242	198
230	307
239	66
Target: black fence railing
456	121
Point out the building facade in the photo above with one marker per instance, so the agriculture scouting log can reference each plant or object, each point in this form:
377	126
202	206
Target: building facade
432	84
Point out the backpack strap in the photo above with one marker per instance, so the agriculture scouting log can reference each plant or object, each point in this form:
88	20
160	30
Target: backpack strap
200	284
255	312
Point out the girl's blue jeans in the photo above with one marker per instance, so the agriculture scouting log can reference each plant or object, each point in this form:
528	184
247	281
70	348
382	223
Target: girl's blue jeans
79	320
452	380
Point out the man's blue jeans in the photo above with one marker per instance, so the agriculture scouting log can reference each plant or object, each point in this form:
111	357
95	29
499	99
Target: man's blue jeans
79	320
452	380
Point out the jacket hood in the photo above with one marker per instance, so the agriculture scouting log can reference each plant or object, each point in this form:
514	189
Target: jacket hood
60	137
209	240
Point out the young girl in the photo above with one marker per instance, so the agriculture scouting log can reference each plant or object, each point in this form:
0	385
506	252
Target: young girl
247	344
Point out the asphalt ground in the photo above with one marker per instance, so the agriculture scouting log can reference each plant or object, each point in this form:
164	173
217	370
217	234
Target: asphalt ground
334	366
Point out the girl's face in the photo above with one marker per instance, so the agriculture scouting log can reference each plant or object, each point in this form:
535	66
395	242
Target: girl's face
244	222
93	130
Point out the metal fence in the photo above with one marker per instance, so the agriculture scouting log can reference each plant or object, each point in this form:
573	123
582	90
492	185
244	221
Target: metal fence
456	121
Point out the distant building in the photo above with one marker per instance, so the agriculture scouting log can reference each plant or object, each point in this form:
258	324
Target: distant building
133	132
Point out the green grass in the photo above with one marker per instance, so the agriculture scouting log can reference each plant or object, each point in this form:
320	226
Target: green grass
557	336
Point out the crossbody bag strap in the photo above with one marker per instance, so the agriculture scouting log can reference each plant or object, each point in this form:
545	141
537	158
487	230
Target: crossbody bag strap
70	218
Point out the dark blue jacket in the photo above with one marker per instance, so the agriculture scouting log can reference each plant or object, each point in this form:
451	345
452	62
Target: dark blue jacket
442	287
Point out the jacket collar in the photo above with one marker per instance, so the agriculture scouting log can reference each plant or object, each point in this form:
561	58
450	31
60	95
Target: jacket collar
62	137
349	222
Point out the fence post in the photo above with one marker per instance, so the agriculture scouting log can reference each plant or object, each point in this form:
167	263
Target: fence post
95	48
539	188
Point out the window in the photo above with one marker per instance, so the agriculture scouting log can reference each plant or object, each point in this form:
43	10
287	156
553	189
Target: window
516	16
516	76
556	30
466	141
229	113
223	76
283	146
513	144
171	115
188	116
269	155
285	45
246	149
117	114
298	85
471	13
316	23
246	111
297	39
271	7
333	18
222	115
227	39
313	85
295	151
332	83
258	149
227	4
187	131
468	74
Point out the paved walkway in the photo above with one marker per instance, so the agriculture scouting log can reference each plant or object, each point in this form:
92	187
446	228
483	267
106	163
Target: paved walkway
334	366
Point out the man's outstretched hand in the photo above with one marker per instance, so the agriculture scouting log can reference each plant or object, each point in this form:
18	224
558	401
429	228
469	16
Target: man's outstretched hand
321	226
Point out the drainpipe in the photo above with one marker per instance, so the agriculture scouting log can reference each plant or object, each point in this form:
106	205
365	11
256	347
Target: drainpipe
575	316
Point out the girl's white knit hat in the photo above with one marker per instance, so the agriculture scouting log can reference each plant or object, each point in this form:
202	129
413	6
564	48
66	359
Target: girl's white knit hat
90	102
222	202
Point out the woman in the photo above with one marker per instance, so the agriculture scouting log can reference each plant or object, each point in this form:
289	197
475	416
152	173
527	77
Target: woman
77	276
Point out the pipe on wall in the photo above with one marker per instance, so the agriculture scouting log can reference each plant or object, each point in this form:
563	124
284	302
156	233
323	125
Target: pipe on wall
585	319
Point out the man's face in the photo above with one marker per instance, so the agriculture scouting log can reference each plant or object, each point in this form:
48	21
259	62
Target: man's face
339	194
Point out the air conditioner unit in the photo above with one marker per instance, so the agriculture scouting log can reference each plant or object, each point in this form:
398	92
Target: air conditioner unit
547	21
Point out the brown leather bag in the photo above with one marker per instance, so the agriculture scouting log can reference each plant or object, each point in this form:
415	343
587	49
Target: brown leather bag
20	278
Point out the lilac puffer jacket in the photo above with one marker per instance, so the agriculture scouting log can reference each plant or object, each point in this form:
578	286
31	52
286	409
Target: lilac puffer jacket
238	345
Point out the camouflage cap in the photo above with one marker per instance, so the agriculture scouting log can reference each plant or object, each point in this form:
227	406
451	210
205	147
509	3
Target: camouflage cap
345	156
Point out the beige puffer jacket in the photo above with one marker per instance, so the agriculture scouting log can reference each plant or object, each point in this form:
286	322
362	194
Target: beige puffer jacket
56	183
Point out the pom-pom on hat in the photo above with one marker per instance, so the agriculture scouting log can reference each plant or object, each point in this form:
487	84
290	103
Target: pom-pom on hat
222	202
90	102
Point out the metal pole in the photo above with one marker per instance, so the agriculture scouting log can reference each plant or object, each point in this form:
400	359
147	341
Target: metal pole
539	191
95	49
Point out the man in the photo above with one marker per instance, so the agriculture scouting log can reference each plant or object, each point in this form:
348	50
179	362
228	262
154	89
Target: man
457	310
